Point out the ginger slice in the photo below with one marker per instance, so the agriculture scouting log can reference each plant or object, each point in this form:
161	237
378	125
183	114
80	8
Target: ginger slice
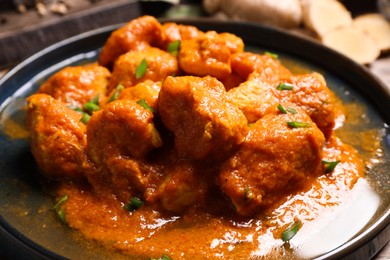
377	27
353	43
323	16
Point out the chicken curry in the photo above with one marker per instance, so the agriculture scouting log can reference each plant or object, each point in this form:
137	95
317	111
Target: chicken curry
179	144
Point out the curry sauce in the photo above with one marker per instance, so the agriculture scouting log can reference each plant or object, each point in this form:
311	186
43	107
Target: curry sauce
178	142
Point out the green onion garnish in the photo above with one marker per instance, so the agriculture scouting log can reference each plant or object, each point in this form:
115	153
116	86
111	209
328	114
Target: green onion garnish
287	109
85	118
285	86
134	204
330	165
142	102
141	69
95	100
116	93
282	109
163	257
272	55
291	231
91	107
173	47
59	210
291	110
295	124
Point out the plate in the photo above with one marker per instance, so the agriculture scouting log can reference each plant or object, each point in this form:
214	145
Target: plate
29	227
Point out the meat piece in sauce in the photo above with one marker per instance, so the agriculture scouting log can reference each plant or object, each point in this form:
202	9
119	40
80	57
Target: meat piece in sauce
177	32
137	34
119	137
254	99
266	67
160	64
58	138
205	124
77	85
184	185
209	54
147	90
274	160
311	93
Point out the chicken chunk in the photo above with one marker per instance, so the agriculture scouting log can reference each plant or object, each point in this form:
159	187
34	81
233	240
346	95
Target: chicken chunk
281	154
160	64
268	68
58	138
119	137
254	99
122	127
209	54
147	90
184	185
137	34
77	85
178	32
205	124
310	93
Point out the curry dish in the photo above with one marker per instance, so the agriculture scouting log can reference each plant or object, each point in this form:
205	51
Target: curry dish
178	143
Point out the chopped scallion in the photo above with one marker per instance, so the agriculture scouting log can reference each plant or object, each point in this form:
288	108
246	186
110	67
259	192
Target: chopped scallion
61	201
85	118
142	102
285	86
173	47
59	210
116	93
95	100
141	69
272	55
163	257
287	109
330	165
291	231
295	124
134	204
282	109
91	107
291	110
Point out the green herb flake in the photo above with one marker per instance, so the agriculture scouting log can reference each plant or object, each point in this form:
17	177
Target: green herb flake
61	201
291	110
141	69
282	109
58	208
295	124
330	165
134	204
285	86
95	99
85	118
163	257
116	93
91	107
142	102
291	231
272	55
173	47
